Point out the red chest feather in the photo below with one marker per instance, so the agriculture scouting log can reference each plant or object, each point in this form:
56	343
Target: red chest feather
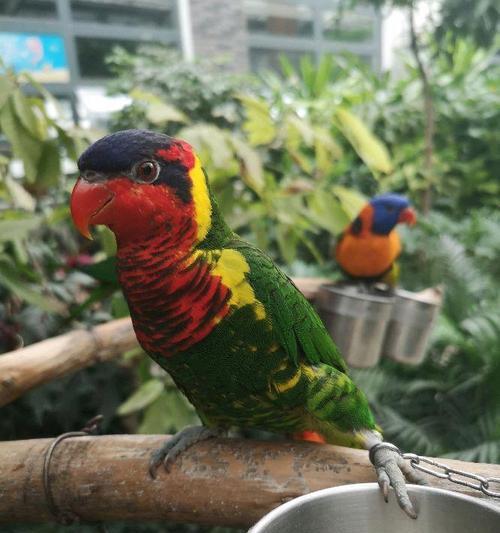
174	301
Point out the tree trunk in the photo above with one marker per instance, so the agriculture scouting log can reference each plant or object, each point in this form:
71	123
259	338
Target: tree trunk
429	118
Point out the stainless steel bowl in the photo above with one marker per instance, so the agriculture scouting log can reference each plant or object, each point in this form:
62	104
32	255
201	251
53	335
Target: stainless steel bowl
412	320
361	508
357	321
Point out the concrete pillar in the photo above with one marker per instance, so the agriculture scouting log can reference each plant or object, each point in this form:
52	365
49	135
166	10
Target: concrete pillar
219	32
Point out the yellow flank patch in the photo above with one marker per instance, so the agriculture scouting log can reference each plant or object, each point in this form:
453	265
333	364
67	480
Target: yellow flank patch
309	372
231	266
290	383
201	199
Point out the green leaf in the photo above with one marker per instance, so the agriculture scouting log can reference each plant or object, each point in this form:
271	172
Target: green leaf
169	412
307	72
119	307
327	211
6	88
24	111
212	143
157	419
157	111
351	201
252	171
324	74
108	241
104	271
298	132
20	197
134	353
287	242
73	143
161	113
49	166
286	66
24	146
18	228
10	279
368	147
145	395
258	125
326	149
44	93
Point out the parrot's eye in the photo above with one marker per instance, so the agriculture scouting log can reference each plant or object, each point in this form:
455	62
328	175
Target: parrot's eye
91	176
389	208
146	171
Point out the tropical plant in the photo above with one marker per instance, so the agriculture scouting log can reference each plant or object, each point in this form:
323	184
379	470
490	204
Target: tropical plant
276	155
41	293
32	186
466	104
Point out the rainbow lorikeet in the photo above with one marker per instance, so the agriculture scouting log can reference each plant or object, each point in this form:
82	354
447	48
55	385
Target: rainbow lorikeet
238	338
368	248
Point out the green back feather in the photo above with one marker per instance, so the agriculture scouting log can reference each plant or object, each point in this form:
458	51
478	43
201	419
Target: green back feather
297	326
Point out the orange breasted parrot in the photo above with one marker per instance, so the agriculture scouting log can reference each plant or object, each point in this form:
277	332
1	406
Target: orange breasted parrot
233	331
369	246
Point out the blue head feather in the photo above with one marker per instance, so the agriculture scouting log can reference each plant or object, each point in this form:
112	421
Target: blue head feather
119	151
386	211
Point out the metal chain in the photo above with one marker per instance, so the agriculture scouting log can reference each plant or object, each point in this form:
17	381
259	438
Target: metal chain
454	475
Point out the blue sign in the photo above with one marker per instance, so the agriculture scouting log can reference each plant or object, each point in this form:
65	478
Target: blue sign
41	54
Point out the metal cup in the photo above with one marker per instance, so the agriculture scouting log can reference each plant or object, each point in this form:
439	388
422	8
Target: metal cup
411	324
356	321
360	508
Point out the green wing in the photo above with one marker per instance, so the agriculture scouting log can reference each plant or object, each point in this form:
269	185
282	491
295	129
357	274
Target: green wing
296	324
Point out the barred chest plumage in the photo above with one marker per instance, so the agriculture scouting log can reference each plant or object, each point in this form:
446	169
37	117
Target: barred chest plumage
174	299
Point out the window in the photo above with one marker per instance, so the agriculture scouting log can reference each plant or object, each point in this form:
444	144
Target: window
28	8
92	54
264	59
152	13
348	25
284	18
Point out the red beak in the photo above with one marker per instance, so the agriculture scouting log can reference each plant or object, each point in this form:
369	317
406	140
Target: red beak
408	216
87	200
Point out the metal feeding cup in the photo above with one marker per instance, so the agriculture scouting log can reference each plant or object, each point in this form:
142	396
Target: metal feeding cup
412	320
356	320
361	508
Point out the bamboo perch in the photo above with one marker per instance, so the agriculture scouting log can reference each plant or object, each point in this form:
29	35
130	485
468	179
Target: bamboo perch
222	481
39	363
24	369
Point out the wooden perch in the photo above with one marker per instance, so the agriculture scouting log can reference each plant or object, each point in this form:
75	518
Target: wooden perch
39	363
222	481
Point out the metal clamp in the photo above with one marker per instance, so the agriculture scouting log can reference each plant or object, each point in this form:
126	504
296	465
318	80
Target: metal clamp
66	517
380	445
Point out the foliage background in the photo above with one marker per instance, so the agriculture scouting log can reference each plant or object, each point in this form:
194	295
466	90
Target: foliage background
291	157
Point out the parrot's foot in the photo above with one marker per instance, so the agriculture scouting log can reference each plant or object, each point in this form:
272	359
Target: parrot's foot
391	470
180	442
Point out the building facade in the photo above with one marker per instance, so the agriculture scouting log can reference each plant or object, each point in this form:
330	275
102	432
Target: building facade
64	43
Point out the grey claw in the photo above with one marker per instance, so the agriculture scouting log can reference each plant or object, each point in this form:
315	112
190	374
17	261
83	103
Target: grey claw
156	459
384	483
385	491
390	468
408	509
180	442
